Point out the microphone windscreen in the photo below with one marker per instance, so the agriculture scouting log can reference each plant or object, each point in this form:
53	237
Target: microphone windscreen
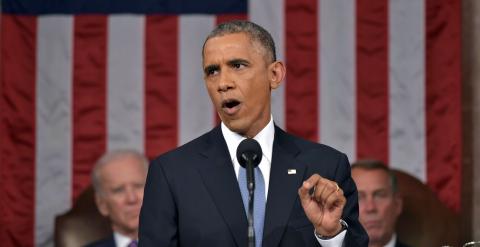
249	149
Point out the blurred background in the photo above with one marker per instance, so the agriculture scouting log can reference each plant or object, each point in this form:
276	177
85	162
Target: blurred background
394	80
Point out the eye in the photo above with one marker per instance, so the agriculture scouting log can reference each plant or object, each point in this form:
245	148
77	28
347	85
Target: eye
381	195
118	190
361	196
211	70
139	185
238	65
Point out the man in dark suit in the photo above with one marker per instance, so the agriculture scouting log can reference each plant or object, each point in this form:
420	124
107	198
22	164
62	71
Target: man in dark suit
192	196
118	179
379	201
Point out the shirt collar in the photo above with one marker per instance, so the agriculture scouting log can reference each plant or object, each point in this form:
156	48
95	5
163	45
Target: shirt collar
264	138
121	240
392	241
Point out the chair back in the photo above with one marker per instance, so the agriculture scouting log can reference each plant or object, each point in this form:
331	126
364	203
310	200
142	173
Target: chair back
83	224
425	220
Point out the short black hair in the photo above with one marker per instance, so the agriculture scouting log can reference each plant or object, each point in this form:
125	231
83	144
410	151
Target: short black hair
254	31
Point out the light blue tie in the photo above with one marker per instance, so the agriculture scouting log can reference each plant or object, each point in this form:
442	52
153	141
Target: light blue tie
258	201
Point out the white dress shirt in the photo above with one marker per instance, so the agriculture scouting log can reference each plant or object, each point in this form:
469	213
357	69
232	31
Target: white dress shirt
121	240
265	139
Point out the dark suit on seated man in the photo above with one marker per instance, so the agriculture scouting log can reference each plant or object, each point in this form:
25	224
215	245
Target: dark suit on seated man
193	195
118	178
379	200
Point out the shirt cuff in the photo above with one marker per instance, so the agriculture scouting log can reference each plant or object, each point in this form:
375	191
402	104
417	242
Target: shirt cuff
332	242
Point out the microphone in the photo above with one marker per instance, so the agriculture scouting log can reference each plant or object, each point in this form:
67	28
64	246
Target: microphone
249	155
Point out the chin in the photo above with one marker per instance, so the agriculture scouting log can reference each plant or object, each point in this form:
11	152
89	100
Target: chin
376	237
235	126
132	226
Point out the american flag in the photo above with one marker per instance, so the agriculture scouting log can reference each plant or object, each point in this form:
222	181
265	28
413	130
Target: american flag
378	79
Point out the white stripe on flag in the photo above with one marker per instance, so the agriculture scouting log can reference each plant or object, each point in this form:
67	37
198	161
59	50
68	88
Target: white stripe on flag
196	109
407	87
270	14
53	181
337	75
125	82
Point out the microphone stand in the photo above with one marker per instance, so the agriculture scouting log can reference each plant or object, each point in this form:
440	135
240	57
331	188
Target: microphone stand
251	189
249	155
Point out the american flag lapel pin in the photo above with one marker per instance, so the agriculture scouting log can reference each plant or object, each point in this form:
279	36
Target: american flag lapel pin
292	171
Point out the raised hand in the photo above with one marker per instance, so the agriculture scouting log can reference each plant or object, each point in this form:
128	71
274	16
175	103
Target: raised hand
324	206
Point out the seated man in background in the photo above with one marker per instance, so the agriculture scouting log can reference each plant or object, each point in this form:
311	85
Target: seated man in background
379	202
118	179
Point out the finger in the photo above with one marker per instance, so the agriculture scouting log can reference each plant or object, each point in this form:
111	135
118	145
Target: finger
335	199
307	185
324	187
314	179
321	190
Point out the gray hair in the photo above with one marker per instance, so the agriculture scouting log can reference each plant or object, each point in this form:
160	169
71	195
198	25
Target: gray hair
369	164
112	156
254	31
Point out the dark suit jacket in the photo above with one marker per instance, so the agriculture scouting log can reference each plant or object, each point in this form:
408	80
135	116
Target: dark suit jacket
107	242
400	244
192	196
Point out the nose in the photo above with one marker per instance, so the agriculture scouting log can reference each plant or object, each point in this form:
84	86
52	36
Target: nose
226	82
132	195
369	205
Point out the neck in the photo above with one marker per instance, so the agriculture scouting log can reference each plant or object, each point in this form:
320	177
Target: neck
251	133
379	242
132	234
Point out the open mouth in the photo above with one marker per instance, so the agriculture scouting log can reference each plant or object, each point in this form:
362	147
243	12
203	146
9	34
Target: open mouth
231	106
230	103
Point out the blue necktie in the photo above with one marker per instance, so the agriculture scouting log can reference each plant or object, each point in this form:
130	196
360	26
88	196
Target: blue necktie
258	201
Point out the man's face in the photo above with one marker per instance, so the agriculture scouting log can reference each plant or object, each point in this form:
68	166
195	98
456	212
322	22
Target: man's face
379	206
121	195
239	78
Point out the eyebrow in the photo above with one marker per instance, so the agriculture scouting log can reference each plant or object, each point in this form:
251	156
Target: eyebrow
237	60
229	63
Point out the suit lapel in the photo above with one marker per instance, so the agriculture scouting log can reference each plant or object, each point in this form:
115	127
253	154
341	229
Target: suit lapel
283	187
221	182
112	242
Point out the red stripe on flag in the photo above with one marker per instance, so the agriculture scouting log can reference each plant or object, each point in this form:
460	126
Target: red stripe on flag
221	19
372	79
443	99
17	128
89	96
302	68
161	84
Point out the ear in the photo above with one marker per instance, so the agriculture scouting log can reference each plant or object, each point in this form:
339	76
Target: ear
101	204
277	72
